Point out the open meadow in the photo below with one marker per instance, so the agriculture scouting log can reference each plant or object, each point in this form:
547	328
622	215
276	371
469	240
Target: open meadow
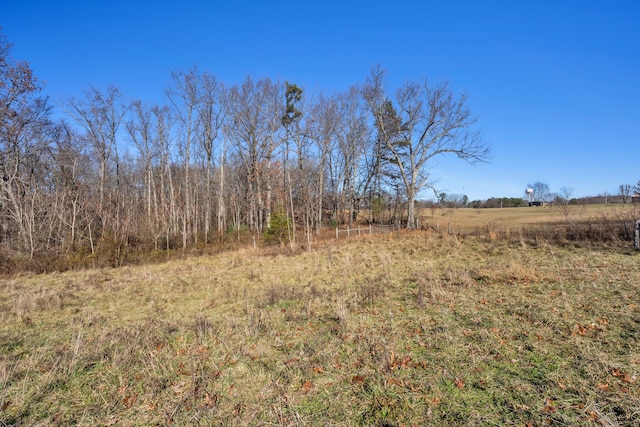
411	328
469	220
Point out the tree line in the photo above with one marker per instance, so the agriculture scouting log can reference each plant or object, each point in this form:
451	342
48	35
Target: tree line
628	191
214	160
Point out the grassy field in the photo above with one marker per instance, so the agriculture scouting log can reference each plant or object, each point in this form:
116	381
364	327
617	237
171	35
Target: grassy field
392	330
469	220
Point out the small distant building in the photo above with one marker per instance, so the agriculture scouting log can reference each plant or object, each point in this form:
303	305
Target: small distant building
635	198
536	203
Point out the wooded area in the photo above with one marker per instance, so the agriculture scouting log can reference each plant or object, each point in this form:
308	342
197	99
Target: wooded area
215	160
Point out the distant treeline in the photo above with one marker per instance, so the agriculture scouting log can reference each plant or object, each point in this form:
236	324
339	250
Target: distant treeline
515	202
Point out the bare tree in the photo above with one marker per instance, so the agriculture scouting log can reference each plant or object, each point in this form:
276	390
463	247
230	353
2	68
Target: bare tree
211	114
255	111
323	129
23	116
140	130
72	200
100	114
379	161
150	130
184	99
625	190
541	191
167	209
347	173
426	122
353	135
146	130
565	194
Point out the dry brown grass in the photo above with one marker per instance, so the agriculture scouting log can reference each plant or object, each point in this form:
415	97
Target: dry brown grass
468	220
407	329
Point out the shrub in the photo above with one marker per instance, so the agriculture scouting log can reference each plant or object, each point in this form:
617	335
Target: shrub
279	227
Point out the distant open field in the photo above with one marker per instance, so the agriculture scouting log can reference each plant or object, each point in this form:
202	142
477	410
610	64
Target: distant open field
398	330
469	219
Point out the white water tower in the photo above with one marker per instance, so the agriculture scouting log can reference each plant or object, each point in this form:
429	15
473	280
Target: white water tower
529	192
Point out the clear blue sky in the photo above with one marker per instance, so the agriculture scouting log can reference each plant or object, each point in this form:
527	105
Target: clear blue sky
554	83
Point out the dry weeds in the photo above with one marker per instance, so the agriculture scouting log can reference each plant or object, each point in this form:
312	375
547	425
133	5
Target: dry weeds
408	329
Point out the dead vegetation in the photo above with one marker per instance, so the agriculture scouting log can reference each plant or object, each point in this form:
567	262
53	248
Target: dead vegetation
408	329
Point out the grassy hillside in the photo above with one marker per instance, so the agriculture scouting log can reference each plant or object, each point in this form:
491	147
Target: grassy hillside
407	329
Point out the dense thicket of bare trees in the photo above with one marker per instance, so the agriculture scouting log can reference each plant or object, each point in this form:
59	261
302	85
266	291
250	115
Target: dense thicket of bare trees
215	162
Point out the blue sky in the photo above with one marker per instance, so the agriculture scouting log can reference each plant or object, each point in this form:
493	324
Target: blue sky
554	83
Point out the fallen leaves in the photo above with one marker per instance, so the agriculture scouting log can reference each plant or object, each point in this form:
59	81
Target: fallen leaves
211	400
582	330
396	362
549	407
623	376
594	416
395	382
129	400
357	379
